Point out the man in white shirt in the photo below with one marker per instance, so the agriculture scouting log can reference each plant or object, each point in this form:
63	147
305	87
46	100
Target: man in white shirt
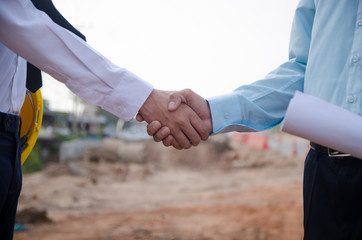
28	34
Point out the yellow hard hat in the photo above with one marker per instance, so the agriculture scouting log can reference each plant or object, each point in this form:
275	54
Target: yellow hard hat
31	117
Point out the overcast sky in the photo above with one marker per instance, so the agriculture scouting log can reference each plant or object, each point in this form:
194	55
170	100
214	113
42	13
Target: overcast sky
210	46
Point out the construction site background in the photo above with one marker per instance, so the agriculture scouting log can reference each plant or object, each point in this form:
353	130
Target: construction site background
125	186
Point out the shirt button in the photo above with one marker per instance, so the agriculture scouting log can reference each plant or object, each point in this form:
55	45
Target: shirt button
360	23
355	59
226	115
120	109
351	99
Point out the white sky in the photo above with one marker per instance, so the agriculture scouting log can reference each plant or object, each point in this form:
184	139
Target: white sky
210	46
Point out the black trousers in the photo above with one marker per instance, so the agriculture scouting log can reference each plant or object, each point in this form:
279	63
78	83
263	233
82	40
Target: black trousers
332	193
10	173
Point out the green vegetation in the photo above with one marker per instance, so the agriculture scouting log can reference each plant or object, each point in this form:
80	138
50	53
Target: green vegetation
33	163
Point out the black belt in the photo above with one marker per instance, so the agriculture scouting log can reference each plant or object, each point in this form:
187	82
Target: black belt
331	152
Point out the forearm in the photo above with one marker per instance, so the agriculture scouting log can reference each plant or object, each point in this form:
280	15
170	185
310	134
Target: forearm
258	106
31	34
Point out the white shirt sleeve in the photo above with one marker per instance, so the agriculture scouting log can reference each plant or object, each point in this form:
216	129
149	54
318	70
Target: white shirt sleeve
31	34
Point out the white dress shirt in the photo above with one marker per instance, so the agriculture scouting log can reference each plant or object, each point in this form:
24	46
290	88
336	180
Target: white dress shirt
27	33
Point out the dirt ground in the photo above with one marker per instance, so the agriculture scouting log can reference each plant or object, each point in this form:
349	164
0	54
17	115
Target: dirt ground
218	191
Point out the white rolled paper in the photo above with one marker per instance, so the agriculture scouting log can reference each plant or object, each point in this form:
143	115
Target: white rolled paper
324	123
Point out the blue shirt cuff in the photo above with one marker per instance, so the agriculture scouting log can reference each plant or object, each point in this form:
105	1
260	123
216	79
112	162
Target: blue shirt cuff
226	114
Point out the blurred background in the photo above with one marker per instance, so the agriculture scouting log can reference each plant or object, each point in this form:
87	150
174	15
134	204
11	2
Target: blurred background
195	44
91	176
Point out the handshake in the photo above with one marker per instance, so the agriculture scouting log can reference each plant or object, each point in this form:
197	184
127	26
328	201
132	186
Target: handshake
179	119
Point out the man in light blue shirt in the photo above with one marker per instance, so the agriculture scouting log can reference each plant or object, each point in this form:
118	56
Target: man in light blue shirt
325	60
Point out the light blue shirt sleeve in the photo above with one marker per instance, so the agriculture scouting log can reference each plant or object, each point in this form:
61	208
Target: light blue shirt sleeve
262	104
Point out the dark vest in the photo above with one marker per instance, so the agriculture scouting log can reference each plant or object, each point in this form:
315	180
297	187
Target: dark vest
33	76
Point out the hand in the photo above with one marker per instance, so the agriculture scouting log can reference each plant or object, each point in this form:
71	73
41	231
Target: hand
163	134
193	100
184	124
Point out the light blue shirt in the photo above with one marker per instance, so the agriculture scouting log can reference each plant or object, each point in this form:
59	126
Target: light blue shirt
325	60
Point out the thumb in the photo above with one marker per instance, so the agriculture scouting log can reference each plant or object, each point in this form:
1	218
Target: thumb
175	101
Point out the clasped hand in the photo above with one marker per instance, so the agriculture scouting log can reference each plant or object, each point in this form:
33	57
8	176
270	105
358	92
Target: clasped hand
179	119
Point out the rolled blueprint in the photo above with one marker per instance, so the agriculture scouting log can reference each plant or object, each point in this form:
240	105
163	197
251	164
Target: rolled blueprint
324	123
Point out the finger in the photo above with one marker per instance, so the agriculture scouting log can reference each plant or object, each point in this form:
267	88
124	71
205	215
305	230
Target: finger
187	126
168	141
161	134
139	117
175	101
192	135
176	145
187	135
153	127
200	127
182	139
